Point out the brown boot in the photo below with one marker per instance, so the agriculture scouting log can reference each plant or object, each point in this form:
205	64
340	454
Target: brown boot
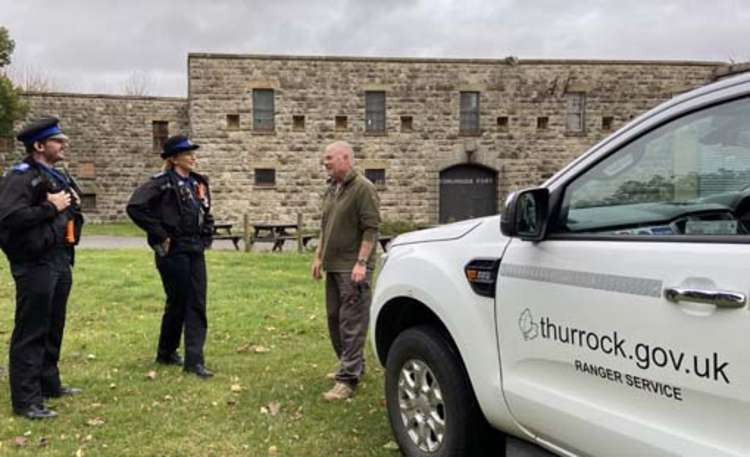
340	391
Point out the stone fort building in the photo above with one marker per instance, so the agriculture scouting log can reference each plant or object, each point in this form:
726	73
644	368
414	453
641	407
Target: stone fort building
443	139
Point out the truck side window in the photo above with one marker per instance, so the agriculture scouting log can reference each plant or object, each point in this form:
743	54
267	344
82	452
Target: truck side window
690	176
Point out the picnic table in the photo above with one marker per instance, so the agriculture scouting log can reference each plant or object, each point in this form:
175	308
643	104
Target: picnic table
223	231
278	233
273	232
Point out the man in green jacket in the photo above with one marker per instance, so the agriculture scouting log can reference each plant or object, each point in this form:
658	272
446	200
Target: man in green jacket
349	233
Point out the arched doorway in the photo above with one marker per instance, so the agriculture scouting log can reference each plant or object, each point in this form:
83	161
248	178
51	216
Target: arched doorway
467	191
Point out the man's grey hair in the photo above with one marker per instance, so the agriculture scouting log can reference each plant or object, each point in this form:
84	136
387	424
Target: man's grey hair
342	146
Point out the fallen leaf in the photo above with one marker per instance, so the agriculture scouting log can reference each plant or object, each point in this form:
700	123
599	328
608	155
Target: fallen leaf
391	446
236	388
91	357
253	348
274	407
273	450
95	422
20	441
263	410
43	442
79	452
151	374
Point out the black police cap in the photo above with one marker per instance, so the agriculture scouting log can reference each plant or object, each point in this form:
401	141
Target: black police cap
177	144
41	129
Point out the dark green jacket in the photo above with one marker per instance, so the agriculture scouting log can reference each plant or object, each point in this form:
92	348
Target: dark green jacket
350	216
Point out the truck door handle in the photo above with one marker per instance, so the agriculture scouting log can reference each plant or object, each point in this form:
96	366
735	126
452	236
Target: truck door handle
719	298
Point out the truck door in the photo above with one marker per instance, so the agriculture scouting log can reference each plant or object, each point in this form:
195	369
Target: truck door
627	330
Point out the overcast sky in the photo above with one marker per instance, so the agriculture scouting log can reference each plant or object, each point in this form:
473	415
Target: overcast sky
96	46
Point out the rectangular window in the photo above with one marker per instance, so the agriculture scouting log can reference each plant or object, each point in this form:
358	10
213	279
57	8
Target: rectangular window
376	176
575	110
607	122
298	123
341	123
263	110
6	144
542	122
87	170
375	111
160	131
407	124
502	122
469	113
88	202
233	121
265	177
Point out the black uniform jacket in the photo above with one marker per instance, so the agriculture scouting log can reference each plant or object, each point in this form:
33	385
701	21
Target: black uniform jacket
164	210
30	225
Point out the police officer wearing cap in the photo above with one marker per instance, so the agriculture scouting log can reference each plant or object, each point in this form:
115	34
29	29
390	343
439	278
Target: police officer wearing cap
40	223
173	207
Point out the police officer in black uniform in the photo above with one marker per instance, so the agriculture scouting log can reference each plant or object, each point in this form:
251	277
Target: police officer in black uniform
40	223
173	207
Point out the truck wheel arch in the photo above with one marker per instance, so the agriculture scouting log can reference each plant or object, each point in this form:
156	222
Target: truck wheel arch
401	313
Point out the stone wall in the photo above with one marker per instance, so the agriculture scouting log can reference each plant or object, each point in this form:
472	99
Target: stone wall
428	90
112	136
111	142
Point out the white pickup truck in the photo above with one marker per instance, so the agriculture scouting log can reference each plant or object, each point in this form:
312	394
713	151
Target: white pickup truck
605	314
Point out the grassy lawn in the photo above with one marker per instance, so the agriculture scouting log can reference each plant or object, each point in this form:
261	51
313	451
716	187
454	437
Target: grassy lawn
258	404
113	229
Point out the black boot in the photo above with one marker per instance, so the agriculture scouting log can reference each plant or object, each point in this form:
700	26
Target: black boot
35	412
199	370
172	359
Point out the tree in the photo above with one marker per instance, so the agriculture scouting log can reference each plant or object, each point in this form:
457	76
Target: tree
138	83
6	47
11	106
32	79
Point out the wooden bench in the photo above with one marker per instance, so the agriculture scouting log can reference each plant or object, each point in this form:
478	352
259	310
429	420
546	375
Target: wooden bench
281	239
276	233
224	232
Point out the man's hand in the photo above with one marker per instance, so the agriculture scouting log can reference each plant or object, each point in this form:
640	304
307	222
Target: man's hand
315	268
75	196
358	273
61	200
162	249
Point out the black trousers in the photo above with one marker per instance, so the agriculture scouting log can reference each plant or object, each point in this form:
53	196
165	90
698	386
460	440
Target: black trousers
42	289
183	275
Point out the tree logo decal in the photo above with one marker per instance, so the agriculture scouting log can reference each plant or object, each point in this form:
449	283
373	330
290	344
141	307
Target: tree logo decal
529	328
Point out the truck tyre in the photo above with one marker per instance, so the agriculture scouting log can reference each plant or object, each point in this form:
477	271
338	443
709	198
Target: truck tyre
431	406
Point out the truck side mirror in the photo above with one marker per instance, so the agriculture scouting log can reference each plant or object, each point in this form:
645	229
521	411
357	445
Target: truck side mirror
525	214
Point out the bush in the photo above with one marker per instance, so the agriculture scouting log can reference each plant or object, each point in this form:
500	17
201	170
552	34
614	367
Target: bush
391	228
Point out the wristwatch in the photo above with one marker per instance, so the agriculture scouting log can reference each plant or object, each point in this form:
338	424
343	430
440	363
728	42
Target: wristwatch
362	261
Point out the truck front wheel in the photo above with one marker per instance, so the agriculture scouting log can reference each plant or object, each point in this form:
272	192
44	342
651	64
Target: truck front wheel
431	406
